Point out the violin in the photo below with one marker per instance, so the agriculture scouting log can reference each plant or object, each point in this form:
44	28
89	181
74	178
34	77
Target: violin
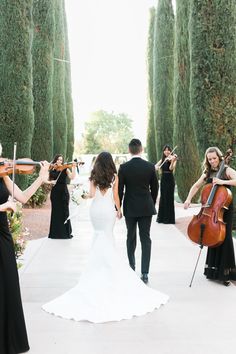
26	166
208	228
169	158
65	165
22	166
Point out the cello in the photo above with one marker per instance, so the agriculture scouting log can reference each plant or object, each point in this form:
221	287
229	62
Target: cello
208	228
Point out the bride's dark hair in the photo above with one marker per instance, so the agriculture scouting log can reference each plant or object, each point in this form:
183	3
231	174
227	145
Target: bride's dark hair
102	174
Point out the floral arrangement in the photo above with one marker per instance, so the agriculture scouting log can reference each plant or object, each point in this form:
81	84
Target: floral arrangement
19	233
78	195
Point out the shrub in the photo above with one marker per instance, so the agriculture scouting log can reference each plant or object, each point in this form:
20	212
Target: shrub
17	230
40	196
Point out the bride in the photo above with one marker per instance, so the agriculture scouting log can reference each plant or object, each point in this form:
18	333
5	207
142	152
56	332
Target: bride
108	289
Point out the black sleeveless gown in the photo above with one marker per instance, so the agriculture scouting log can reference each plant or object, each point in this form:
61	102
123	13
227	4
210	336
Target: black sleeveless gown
13	336
220	261
166	211
60	207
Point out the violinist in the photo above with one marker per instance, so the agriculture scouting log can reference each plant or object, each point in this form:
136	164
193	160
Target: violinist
13	335
220	260
60	198
167	164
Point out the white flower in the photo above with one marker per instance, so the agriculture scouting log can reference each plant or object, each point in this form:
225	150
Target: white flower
77	195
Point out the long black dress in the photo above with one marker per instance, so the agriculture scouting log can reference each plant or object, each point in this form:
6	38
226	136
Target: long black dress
220	261
13	336
166	211
60	207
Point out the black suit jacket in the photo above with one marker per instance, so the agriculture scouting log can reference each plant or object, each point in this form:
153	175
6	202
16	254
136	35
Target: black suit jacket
139	186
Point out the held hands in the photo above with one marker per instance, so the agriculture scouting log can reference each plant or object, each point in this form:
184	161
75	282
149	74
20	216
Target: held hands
119	214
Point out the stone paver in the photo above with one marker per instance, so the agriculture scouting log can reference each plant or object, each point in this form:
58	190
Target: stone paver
196	320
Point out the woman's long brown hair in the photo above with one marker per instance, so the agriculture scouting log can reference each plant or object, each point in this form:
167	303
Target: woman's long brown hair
104	169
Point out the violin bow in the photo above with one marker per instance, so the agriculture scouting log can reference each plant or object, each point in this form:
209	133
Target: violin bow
77	165
13	172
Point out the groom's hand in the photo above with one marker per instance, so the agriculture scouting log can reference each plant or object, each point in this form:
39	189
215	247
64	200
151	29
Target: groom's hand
119	214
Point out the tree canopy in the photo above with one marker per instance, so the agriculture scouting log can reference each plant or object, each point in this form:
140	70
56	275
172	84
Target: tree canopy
107	131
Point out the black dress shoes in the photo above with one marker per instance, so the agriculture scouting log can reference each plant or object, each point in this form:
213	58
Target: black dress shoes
226	283
144	278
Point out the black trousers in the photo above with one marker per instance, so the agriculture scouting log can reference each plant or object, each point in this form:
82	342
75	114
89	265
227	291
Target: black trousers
144	224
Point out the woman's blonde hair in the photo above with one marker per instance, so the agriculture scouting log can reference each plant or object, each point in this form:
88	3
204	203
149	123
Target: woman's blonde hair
206	164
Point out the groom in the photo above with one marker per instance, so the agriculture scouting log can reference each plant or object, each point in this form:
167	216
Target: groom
138	178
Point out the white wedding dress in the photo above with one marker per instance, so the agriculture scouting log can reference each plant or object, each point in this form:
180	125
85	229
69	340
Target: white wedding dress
108	289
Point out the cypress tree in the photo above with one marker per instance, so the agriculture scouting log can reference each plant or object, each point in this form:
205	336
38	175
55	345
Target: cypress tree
163	74
68	96
151	136
188	168
16	100
59	106
213	72
42	57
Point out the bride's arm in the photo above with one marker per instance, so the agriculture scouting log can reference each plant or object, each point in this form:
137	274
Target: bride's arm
92	190
116	196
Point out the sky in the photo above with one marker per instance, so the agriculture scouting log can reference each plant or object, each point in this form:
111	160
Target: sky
108	44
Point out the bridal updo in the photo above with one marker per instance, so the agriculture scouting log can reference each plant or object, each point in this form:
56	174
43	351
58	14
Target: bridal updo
104	169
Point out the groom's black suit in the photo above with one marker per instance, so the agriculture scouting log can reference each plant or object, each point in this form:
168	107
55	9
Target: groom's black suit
138	178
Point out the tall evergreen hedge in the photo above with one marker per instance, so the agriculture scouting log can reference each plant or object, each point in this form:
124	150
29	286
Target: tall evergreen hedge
68	96
189	167
151	136
16	100
213	71
42	57
59	105
163	73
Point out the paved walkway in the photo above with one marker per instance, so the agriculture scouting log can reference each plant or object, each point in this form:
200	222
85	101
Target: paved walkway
196	320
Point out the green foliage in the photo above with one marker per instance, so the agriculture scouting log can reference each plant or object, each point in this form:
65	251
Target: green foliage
68	97
233	165
213	72
42	57
59	105
107	131
163	74
151	136
16	100
40	196
18	231
188	167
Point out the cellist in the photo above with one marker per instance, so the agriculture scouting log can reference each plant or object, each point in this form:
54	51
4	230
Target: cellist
220	261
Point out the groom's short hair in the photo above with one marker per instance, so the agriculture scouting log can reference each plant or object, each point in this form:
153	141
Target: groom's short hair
135	146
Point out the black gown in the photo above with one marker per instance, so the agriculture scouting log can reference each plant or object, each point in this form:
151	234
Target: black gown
220	261
13	336
60	207
166	211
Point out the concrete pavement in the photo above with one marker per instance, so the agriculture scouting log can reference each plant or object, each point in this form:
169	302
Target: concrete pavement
196	320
